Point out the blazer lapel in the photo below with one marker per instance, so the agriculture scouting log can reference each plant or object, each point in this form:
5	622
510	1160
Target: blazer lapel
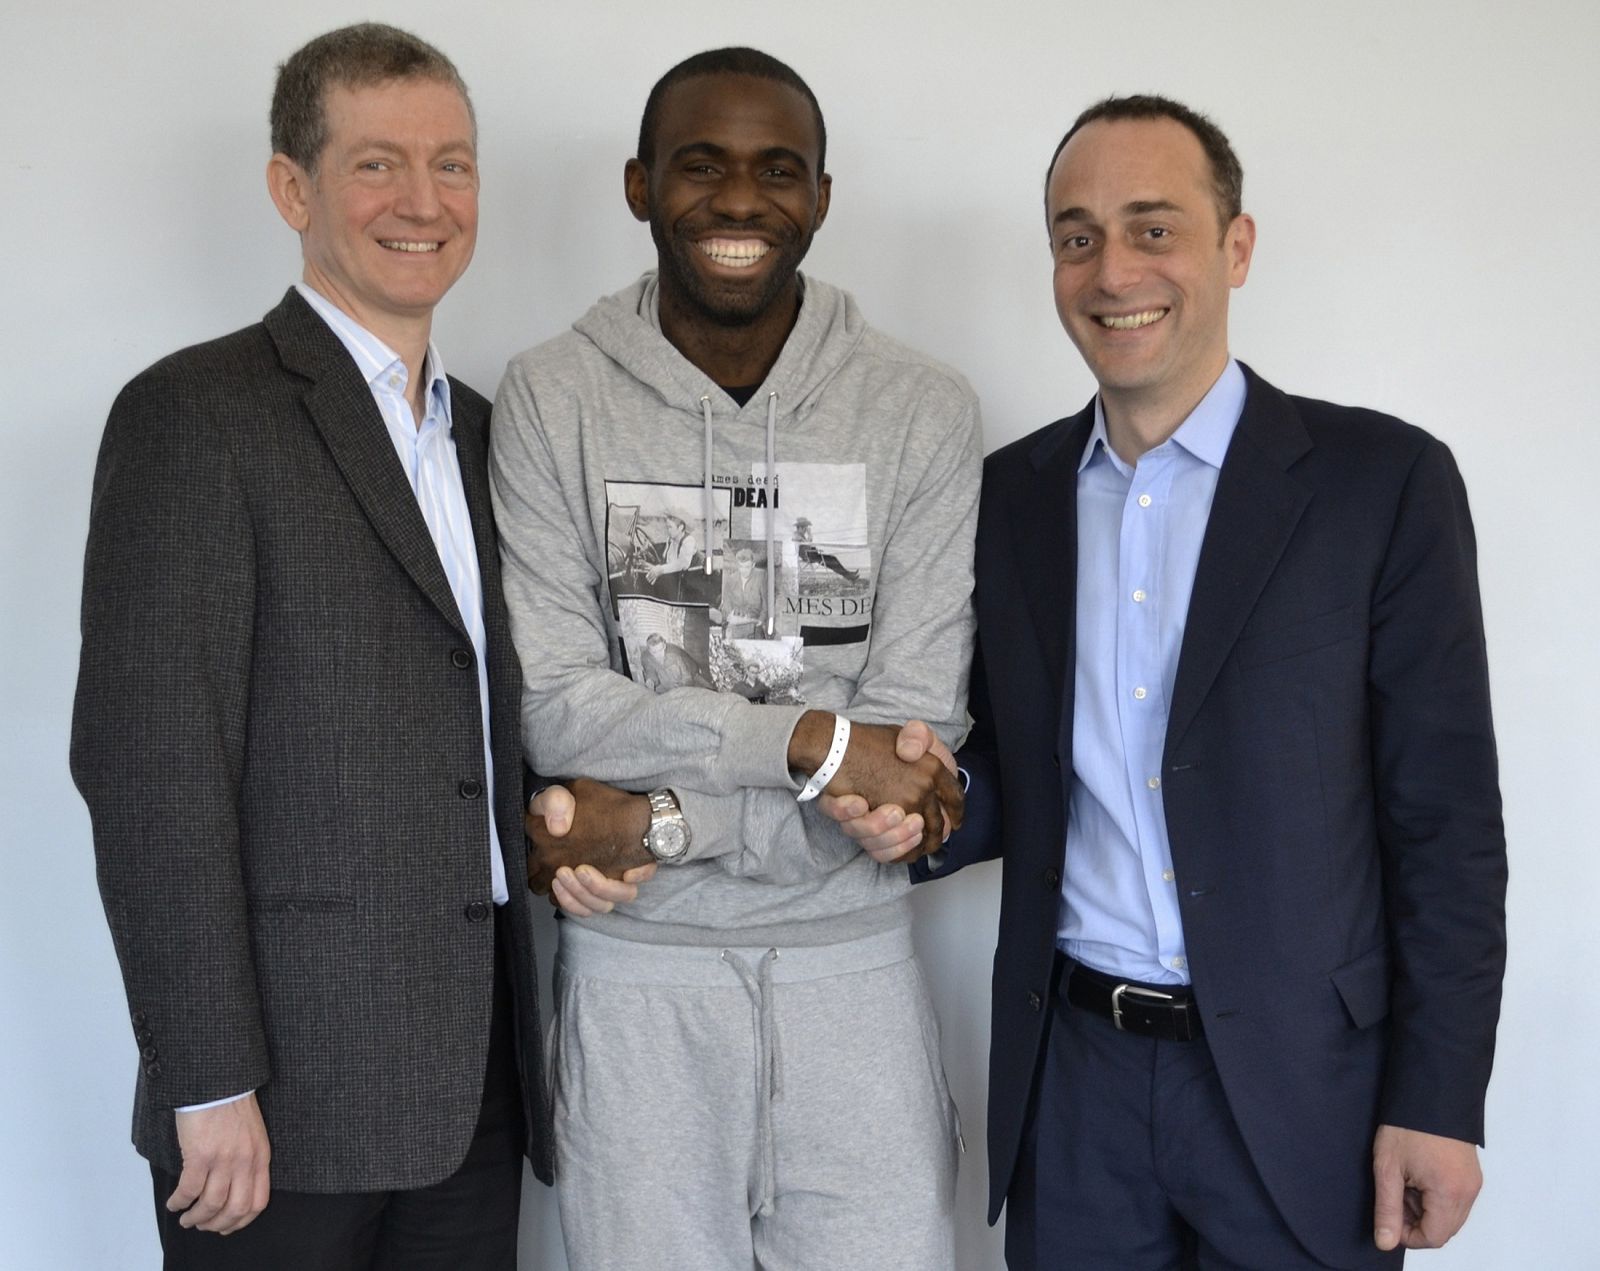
473	459
1255	510
340	405
1044	521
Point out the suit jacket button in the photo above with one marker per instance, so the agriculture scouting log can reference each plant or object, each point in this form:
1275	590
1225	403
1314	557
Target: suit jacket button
139	1019
1052	878
149	1052
460	659
477	911
144	1037
470	789
1034	1001
153	1068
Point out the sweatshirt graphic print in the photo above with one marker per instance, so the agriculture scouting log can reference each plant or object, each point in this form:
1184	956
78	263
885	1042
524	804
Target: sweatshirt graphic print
788	564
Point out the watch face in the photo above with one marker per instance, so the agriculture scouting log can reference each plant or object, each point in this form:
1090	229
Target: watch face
667	840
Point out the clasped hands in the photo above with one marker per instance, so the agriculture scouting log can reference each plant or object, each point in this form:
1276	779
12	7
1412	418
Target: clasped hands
895	793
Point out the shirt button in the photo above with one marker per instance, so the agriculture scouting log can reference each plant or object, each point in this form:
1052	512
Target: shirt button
470	789
1167	875
1144	500
1139	693
1138	597
394	381
1154	783
1177	964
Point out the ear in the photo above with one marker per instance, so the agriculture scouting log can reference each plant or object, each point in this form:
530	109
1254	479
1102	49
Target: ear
636	189
824	196
290	187
1240	245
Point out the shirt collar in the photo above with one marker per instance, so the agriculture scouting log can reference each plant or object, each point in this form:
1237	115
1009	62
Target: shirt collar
1205	433
380	366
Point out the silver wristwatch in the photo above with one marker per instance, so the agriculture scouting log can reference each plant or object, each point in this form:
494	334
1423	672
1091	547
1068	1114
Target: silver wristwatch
668	839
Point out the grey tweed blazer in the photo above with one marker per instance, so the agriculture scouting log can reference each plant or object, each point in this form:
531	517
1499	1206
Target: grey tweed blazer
277	731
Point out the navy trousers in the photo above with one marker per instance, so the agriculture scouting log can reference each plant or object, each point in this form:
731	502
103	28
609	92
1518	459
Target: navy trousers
1132	1162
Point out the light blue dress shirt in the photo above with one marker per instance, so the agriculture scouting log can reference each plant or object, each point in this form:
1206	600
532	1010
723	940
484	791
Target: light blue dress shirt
1139	534
428	456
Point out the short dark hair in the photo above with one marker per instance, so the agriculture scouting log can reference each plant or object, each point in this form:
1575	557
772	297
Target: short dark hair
351	57
1227	177
729	61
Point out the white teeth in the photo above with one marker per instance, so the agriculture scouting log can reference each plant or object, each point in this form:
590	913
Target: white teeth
734	251
1130	321
398	245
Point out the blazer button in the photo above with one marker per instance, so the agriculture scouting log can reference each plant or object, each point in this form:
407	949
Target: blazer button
149	1052
144	1037
460	659
1052	878
153	1068
1034	1001
470	789
477	911
139	1019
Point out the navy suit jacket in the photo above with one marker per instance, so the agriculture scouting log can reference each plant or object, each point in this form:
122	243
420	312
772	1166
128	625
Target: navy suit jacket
1329	781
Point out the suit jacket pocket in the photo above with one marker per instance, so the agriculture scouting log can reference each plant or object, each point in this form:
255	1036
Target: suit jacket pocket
1363	986
261	906
1258	648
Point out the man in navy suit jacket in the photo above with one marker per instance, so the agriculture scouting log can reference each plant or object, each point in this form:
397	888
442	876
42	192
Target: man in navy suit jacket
1238	759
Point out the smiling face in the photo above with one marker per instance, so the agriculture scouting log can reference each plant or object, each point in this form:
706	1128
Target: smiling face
733	195
389	219
1142	267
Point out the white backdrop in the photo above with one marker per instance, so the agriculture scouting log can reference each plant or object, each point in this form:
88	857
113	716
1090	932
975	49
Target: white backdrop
1424	180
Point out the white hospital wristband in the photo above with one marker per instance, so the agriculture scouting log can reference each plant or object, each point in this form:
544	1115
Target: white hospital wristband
830	765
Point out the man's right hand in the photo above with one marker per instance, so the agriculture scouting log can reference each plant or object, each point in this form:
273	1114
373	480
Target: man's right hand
880	774
887	833
226	1181
569	865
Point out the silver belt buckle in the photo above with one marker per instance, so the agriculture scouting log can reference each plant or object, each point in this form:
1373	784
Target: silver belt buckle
1116	1000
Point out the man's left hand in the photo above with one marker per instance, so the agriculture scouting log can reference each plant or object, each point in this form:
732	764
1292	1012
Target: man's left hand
590	837
1425	1187
886	833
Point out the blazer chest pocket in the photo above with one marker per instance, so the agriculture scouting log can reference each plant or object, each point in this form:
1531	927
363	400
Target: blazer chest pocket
1363	986
1280	643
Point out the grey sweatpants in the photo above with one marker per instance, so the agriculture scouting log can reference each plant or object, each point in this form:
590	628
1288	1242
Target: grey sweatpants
723	1109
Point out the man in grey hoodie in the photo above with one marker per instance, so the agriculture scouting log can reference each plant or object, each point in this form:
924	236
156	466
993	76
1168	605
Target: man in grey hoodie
720	1099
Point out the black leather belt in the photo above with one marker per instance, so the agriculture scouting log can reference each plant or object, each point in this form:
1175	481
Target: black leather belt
1167	1012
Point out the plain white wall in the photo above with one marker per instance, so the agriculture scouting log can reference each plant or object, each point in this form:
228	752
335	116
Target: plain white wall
1424	180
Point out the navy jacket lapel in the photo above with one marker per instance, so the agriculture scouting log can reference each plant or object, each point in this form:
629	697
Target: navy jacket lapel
1045	529
1255	510
340	404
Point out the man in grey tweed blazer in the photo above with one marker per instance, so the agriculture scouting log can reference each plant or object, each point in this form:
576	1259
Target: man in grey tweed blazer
296	727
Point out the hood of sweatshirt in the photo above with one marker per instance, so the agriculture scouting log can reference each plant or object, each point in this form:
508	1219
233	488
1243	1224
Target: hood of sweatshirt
626	327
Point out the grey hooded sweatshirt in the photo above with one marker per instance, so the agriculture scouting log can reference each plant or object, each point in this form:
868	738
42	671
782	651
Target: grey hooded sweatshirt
687	576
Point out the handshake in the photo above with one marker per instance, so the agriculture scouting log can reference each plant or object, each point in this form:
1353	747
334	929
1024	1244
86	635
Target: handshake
895	793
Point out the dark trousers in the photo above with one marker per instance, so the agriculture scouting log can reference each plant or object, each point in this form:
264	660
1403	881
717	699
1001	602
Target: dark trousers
468	1222
1132	1161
